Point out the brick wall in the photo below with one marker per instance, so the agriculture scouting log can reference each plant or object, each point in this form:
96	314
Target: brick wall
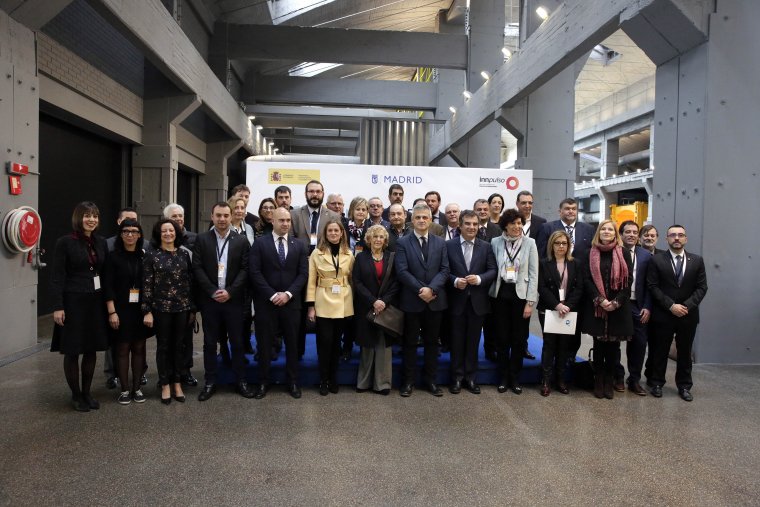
64	66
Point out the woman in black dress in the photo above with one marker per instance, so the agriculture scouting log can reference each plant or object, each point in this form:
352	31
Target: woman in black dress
560	287
79	308
123	283
167	304
607	311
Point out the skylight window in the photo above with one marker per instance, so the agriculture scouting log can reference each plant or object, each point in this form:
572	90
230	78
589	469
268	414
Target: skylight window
283	10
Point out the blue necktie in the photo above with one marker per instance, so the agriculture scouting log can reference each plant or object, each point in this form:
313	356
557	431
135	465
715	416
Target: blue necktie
679	269
424	248
281	250
314	220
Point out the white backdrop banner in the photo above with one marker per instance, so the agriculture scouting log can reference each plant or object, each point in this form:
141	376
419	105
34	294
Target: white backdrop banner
459	185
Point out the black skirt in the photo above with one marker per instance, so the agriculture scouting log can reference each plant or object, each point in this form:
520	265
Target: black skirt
131	327
85	325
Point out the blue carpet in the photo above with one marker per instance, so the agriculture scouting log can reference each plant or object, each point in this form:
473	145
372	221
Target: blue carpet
309	372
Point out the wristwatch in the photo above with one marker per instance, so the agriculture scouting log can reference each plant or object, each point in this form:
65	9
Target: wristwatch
531	303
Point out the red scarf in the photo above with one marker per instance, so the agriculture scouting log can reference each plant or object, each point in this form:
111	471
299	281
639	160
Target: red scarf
618	277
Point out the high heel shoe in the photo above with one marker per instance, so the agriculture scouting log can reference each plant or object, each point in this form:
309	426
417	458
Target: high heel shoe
168	400
179	397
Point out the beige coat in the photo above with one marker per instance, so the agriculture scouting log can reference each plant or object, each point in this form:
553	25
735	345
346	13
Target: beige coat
319	288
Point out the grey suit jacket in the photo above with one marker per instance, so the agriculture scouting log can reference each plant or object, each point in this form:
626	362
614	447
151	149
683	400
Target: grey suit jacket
301	223
527	276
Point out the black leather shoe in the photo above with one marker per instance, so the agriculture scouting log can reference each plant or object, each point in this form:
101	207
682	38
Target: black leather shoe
79	404
455	387
112	383
471	386
91	402
384	392
406	390
685	395
515	388
502	387
244	391
323	391
656	391
434	389
333	387
619	386
528	355
261	391
188	380
295	391
208	392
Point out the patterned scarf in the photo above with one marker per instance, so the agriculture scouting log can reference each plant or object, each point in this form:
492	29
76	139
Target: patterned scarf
618	277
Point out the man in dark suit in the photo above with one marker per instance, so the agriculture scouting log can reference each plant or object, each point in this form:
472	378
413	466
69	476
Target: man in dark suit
220	269
422	268
375	207
678	283
433	199
396	196
398	227
452	221
472	269
487	230
581	235
278	272
641	308
531	223
307	225
648	236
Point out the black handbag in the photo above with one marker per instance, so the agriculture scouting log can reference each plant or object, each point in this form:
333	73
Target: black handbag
583	373
391	320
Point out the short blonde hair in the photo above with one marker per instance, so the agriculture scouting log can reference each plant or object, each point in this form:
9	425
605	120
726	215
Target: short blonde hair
376	230
355	203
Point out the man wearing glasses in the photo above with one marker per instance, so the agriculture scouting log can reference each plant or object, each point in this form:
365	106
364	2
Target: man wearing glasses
376	212
677	282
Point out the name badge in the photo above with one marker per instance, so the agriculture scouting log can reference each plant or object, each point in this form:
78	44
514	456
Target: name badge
562	294
96	281
134	296
313	239
511	274
336	289
220	271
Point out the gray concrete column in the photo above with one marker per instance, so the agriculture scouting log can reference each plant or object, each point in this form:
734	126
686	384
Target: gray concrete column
155	163
213	184
543	124
19	141
706	177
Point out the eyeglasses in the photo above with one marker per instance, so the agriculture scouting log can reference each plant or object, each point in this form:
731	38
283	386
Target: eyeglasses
560	243
676	235
130	233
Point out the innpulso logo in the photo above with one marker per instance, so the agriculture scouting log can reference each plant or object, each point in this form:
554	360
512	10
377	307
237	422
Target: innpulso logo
511	182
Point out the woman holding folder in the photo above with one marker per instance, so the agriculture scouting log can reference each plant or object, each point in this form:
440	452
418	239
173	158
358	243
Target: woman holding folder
560	286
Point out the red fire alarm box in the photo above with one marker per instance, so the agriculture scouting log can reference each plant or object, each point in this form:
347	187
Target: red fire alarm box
14	183
16	168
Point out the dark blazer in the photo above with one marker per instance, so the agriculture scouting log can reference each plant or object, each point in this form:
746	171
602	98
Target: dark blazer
483	264
205	266
441	219
393	237
549	283
367	291
665	290
415	273
71	267
386	211
492	231
269	277
643	296
584	233
536	223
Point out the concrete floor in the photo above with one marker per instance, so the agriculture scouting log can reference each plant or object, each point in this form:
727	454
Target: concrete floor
366	449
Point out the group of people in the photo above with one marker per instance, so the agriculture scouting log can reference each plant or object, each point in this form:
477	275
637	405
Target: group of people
376	276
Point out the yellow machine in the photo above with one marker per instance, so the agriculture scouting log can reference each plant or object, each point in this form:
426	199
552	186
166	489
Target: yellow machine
637	211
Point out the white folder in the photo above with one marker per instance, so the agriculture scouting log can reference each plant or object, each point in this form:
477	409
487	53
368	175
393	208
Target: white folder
553	323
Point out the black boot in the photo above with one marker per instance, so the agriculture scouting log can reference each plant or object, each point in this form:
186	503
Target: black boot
598	385
609	390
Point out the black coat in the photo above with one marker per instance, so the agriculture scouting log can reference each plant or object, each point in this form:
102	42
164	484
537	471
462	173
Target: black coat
619	323
549	283
367	291
71	267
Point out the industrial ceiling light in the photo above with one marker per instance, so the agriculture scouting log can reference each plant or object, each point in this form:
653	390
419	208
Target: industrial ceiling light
259	127
271	144
453	109
252	117
506	52
542	12
485	75
467	94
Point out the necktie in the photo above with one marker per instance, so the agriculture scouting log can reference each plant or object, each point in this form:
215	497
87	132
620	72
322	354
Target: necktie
314	220
569	229
281	250
423	241
679	269
454	233
467	254
482	233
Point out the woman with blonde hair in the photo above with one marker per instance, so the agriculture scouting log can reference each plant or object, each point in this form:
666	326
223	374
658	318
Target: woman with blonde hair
607	310
330	299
